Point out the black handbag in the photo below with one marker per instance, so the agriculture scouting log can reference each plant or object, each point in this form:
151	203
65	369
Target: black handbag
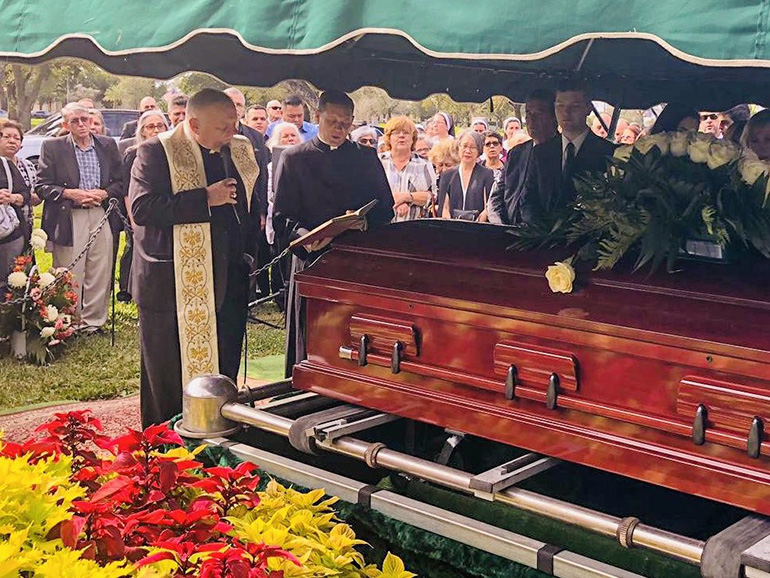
465	214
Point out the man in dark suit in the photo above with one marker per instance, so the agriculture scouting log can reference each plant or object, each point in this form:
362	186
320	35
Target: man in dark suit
550	182
77	175
129	129
540	117
262	154
193	199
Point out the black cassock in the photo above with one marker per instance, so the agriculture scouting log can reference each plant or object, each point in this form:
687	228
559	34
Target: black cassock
233	230
315	183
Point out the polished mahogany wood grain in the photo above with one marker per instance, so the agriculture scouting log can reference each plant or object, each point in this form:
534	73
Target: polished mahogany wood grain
631	342
535	364
383	333
730	405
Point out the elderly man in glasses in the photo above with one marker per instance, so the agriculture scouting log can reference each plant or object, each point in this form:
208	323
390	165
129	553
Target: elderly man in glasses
710	122
274	111
365	135
78	174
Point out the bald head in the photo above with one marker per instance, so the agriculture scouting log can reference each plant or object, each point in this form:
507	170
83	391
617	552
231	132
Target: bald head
239	100
212	118
148	103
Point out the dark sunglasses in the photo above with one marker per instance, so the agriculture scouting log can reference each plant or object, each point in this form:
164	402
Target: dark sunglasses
275	108
712	116
366	141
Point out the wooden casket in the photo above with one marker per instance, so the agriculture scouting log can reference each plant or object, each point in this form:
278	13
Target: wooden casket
662	378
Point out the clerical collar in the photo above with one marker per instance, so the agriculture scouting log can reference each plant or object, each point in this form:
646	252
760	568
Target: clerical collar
331	147
208	150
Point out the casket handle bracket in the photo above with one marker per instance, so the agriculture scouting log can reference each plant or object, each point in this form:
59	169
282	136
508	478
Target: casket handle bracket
699	425
363	346
510	382
756	433
553	391
395	359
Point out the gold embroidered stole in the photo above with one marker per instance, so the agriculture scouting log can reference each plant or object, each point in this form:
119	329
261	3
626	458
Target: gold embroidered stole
193	263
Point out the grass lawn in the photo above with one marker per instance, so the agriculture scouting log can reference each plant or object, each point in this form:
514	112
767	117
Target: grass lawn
91	368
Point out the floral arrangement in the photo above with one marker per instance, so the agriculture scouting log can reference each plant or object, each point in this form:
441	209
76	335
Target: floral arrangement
657	197
141	505
42	306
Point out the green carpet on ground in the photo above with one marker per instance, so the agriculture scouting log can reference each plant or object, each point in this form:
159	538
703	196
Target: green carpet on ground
268	368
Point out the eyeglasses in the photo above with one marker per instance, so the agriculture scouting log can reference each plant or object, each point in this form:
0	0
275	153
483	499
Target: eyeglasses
275	108
158	126
493	143
79	120
711	116
468	147
369	141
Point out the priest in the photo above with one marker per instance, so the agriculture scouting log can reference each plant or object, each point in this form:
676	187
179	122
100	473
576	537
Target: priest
193	200
318	180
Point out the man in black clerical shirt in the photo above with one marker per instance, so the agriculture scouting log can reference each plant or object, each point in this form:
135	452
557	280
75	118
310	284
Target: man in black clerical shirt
316	181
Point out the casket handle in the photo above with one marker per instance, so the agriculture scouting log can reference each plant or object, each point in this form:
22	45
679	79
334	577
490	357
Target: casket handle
552	393
510	382
699	425
395	359
363	346
756	433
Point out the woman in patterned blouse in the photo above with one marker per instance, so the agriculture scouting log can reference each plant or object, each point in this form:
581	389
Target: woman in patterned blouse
11	136
412	180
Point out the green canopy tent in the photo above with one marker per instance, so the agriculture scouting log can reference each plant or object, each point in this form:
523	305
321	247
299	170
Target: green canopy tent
710	53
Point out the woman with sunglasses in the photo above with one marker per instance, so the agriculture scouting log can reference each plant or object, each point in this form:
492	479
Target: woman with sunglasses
464	191
365	135
411	178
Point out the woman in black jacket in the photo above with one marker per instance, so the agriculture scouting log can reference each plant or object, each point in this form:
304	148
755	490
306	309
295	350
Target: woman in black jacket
14	197
464	190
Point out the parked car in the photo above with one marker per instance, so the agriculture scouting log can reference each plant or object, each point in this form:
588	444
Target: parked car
114	119
40	114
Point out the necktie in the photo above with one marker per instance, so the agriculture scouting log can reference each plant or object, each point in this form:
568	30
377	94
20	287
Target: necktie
569	161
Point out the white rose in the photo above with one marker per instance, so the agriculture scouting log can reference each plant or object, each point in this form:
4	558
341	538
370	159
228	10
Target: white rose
645	143
40	233
751	170
37	243
66	321
623	153
51	313
698	148
560	277
45	280
46	332
17	280
721	153
678	143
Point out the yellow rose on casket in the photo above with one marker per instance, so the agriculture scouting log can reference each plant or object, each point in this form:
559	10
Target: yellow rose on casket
751	169
698	148
645	143
623	152
721	153
678	143
560	277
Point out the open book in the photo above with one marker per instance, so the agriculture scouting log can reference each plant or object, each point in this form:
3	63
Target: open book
334	227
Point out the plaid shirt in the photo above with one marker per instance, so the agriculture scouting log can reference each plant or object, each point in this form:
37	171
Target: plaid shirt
417	175
88	165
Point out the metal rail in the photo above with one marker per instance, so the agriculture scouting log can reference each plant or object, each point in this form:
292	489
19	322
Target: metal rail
628	531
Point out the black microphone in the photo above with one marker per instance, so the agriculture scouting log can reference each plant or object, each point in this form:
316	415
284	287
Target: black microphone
227	160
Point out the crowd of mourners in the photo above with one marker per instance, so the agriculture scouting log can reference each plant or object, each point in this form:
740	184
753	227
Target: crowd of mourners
507	175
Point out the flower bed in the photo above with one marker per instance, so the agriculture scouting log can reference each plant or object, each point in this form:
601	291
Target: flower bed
76	503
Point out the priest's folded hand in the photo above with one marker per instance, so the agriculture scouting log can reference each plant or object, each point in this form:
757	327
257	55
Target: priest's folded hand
221	193
318	245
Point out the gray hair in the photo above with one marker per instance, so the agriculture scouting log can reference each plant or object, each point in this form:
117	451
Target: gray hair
477	138
143	121
363	131
72	108
275	136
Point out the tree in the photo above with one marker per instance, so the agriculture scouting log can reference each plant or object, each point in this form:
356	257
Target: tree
306	91
192	82
22	87
131	89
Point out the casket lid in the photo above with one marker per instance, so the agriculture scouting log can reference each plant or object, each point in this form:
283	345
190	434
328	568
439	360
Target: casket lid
467	266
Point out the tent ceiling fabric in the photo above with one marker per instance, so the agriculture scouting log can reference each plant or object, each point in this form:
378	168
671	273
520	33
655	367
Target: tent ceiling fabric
711	53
